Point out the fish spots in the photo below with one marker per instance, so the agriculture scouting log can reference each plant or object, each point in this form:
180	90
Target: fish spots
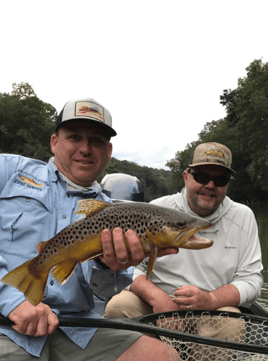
178	224
154	227
125	218
138	217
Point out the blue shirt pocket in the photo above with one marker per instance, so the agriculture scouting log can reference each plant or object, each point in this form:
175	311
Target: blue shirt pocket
26	218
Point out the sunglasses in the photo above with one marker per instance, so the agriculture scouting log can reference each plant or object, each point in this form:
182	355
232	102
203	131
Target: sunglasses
203	178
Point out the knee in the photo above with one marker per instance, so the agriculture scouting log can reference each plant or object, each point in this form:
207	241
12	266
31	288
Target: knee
119	306
115	308
126	305
148	348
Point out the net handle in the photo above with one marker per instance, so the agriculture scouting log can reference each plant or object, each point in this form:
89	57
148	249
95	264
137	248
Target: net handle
135	324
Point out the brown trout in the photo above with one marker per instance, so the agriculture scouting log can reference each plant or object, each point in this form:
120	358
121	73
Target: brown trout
157	227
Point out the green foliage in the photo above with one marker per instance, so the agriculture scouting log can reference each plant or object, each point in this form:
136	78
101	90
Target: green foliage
247	111
244	130
26	123
178	164
155	182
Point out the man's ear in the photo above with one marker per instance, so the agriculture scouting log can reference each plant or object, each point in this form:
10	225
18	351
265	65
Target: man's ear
185	175
53	142
110	150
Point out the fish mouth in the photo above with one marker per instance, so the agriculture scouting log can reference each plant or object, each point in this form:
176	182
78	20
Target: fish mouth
197	243
187	239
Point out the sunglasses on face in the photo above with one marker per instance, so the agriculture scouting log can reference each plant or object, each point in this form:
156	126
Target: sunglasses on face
203	178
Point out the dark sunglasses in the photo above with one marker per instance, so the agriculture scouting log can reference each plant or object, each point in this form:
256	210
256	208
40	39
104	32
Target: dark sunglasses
203	178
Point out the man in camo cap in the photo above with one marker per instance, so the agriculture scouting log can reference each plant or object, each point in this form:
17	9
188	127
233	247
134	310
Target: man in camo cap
225	276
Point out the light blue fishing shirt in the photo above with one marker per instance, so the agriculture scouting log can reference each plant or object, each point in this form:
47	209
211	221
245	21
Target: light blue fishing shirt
36	204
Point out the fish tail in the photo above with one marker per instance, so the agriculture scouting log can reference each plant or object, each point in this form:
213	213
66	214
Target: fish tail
63	271
31	285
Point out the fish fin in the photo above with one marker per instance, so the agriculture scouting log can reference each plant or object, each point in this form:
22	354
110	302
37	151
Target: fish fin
41	246
90	206
63	271
32	287
152	259
92	258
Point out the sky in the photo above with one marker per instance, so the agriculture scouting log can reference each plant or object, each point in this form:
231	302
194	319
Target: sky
159	66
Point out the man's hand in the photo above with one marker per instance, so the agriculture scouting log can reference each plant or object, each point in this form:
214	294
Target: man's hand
117	256
197	299
193	298
34	320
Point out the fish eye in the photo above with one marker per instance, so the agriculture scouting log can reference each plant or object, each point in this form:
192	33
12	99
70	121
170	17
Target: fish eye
181	224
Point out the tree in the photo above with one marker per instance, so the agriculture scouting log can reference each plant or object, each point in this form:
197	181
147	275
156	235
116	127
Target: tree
26	123
247	109
244	130
178	164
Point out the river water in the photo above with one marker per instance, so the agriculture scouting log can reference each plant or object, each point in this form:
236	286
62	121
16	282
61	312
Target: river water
261	214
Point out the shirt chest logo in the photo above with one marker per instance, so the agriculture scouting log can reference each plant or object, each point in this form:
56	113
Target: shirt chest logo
31	181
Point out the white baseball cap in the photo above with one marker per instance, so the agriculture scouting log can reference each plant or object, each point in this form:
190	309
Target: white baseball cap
89	110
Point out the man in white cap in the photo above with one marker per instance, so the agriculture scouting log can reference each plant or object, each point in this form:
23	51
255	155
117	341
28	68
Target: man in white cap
37	201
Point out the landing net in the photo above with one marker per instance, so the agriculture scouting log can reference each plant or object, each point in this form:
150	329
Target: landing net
238	330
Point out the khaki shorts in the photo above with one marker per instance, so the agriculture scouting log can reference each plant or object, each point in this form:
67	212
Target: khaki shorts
106	345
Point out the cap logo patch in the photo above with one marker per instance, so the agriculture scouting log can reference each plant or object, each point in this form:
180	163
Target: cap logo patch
214	153
90	110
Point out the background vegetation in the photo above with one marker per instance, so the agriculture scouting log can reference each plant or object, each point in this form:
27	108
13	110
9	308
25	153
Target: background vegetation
244	130
26	123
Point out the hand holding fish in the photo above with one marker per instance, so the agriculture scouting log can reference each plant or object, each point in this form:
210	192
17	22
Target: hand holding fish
115	253
34	320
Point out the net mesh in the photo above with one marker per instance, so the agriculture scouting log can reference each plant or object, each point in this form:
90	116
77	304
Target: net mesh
245	330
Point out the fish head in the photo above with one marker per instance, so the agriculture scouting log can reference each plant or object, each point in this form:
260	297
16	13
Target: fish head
172	228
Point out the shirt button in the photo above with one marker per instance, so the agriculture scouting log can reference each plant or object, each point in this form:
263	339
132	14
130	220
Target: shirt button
52	283
64	217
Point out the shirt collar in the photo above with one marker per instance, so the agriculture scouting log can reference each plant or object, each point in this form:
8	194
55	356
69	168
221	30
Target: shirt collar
71	186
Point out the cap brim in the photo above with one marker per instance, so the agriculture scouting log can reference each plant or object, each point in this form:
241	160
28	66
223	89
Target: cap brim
109	130
211	163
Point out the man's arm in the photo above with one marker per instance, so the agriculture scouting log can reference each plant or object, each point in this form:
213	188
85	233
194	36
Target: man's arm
158	299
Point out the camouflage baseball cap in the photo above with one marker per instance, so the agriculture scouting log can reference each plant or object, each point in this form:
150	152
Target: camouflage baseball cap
212	153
